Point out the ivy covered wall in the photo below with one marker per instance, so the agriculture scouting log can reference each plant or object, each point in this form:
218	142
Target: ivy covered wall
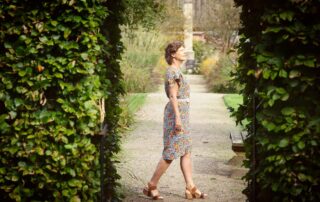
57	60
279	61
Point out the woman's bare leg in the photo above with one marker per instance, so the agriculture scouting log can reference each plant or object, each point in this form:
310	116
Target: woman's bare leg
186	168
160	169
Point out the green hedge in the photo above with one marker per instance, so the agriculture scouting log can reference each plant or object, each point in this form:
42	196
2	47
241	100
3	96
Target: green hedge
113	78
57	59
279	50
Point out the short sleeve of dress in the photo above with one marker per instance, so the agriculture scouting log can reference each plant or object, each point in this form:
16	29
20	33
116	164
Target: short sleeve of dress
172	77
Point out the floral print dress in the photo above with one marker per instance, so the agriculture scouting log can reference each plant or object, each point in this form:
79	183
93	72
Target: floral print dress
176	144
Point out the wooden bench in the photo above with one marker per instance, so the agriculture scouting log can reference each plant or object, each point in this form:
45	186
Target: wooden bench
237	139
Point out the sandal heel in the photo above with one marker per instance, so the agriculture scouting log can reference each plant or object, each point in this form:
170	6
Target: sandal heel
197	196
188	195
195	193
146	192
149	191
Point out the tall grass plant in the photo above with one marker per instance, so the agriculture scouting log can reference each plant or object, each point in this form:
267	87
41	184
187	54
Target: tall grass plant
130	104
143	51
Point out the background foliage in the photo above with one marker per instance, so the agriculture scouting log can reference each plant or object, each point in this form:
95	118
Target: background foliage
143	51
55	64
279	57
219	22
143	41
217	70
145	13
219	19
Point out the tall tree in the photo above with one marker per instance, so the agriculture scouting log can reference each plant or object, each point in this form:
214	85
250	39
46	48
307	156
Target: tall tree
220	20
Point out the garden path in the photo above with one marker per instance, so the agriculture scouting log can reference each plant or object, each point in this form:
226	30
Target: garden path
216	171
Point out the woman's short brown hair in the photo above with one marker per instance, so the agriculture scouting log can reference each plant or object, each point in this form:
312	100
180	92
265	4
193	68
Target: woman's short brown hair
172	49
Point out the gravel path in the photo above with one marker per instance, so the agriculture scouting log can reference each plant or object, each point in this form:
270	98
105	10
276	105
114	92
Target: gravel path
216	170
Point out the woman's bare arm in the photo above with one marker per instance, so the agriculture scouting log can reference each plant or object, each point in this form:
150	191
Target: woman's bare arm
173	93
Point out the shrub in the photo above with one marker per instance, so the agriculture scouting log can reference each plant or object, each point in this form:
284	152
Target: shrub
208	64
201	50
135	79
217	71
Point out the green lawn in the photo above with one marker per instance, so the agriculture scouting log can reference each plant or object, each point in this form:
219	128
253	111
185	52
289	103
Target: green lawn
233	101
135	101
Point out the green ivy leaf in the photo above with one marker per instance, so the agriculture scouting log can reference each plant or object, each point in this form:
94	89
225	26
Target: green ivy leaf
287	111
54	23
281	90
74	183
272	29
65	192
302	177
58	75
75	199
71	172
2	170
43	39
266	73
268	125
314	143
309	63
12	114
22	73
284	143
285	97
283	73
84	56
275	96
66	33
7	45
294	74
287	15
301	145
15	178
261	58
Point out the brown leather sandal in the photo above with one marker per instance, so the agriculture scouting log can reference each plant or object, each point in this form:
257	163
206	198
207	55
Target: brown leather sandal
149	191
194	192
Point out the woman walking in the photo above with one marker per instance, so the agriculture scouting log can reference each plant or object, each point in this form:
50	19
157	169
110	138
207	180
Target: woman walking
176	132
